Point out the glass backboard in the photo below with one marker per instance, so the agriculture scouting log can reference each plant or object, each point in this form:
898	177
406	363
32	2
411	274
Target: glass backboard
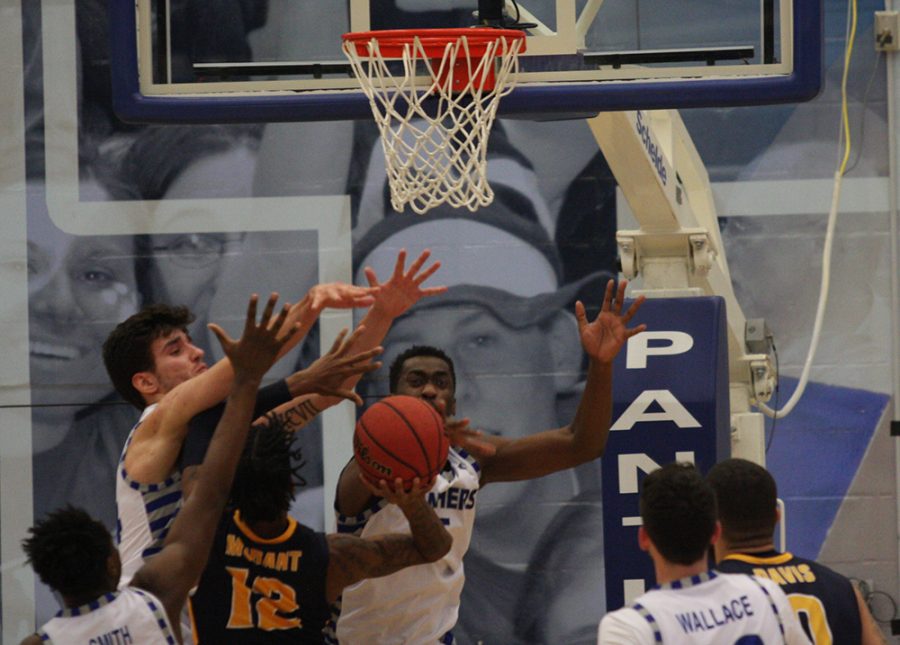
281	60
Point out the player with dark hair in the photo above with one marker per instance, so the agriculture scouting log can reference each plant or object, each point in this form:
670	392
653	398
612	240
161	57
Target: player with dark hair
75	554
830	608
690	603
396	369
270	579
421	604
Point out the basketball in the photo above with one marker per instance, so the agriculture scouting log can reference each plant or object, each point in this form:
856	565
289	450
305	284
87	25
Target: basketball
400	436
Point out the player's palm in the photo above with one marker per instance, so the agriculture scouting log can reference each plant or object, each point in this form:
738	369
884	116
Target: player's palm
256	350
328	373
404	288
607	333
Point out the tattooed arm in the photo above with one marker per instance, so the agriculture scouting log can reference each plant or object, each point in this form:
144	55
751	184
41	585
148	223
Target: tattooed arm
351	559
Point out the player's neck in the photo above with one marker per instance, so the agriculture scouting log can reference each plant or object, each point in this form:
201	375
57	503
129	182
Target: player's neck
84	598
669	571
270	529
725	548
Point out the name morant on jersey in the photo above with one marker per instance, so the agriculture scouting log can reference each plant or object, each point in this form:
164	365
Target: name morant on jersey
275	560
734	610
457	498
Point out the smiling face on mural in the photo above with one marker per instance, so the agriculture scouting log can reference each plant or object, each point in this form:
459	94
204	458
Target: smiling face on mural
79	288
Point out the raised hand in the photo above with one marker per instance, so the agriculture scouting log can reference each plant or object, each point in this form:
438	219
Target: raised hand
339	295
404	288
604	337
327	374
255	351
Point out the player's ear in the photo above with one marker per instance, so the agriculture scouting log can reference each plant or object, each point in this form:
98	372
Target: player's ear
114	566
562	332
145	382
643	539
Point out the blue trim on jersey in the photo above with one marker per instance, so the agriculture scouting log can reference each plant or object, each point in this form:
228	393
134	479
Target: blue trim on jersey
646	615
447	639
684	583
771	602
159	614
94	605
356	523
159	502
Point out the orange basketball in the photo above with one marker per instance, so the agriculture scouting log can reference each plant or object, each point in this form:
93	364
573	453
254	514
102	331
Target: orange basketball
400	436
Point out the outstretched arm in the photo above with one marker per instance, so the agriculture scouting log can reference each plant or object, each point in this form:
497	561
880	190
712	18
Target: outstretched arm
352	559
154	448
585	437
172	573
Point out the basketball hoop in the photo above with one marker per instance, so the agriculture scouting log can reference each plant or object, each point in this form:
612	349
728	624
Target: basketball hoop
435	112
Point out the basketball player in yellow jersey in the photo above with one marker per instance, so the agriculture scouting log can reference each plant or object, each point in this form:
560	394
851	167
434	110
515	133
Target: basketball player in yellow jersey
828	605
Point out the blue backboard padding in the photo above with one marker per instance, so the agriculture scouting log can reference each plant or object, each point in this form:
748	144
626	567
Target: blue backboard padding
802	84
816	453
698	380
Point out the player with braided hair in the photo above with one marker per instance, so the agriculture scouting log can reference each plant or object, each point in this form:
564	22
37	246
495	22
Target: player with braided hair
269	578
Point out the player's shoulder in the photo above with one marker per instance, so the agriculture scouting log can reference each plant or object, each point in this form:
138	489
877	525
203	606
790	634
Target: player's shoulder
625	625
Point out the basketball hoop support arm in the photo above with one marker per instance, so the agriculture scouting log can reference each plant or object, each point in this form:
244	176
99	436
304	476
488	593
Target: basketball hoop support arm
677	251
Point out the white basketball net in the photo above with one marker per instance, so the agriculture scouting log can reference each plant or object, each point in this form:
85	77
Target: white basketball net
435	136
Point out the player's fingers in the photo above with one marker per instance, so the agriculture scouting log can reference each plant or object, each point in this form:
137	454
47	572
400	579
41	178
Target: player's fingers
251	312
620	295
607	296
280	318
224	340
427	273
433	291
371	277
635	331
580	314
633	308
399	264
336	346
267	311
415	266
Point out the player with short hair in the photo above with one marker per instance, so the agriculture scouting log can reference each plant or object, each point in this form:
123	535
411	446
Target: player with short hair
691	604
153	364
75	554
421	604
270	579
830	608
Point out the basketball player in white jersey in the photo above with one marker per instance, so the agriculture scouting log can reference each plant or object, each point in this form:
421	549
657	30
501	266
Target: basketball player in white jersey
154	365
421	604
75	555
692	604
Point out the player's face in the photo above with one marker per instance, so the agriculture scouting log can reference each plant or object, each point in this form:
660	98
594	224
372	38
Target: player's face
505	376
428	378
176	359
79	288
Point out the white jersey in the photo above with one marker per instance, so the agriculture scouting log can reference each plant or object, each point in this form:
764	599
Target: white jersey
129	615
144	512
710	608
418	604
